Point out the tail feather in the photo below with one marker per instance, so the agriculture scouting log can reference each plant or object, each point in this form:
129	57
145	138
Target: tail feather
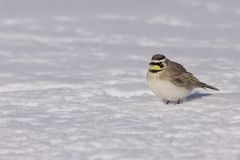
204	85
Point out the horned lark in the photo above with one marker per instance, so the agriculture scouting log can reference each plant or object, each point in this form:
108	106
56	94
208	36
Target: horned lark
170	80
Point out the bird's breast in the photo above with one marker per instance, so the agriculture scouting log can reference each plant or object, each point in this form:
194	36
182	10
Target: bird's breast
165	89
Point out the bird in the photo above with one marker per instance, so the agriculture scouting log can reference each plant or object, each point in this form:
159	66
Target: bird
170	80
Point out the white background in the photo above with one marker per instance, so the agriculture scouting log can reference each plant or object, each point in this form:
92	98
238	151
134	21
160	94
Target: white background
73	79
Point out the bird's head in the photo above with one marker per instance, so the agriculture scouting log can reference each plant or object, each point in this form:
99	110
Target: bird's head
158	63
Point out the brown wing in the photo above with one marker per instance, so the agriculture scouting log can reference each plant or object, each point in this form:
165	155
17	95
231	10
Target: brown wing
186	80
181	77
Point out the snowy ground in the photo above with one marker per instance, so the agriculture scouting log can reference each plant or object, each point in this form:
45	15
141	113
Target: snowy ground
73	79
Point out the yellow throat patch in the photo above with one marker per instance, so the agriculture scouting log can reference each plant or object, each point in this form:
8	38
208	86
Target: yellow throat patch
155	67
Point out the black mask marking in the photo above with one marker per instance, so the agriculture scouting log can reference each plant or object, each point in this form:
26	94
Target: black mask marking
159	64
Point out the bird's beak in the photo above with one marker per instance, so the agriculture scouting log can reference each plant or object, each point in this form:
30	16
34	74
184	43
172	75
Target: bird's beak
151	63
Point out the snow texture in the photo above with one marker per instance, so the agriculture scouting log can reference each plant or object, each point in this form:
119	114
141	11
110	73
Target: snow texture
73	80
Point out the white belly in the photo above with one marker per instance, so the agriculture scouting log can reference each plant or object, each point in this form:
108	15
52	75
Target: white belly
167	90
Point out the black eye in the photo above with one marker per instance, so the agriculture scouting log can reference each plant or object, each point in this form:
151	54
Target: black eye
161	65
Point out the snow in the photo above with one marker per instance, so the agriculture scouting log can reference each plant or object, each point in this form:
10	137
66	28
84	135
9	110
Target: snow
73	80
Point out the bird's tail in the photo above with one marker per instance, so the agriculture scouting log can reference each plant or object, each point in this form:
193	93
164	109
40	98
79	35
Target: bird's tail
204	85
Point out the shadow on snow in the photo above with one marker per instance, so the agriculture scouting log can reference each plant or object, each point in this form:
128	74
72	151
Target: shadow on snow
197	95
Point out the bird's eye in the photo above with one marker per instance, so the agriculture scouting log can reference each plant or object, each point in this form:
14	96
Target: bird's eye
161	65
